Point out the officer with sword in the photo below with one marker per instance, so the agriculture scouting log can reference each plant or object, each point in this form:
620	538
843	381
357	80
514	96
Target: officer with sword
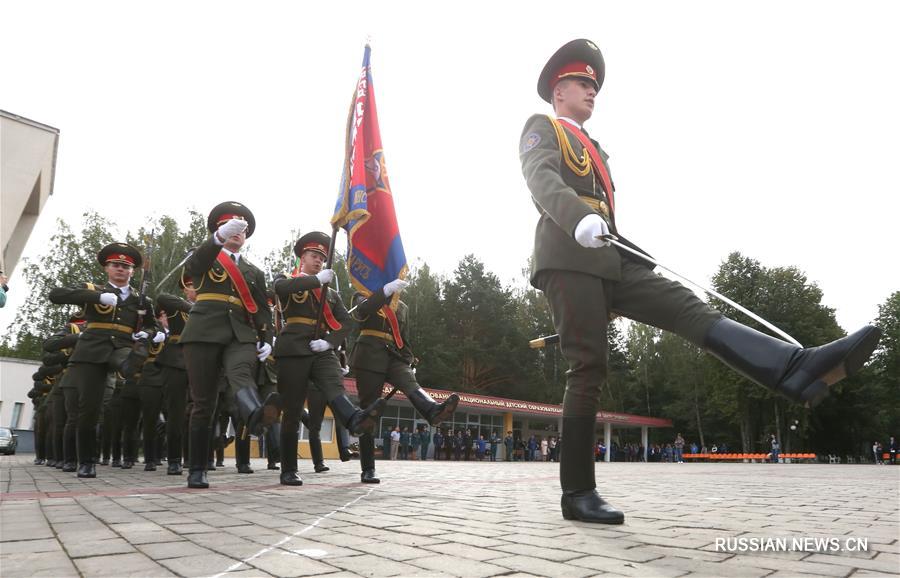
586	278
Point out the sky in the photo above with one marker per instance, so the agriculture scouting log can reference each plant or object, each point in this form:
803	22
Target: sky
769	128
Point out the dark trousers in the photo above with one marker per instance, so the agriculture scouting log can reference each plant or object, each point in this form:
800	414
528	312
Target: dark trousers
368	387
581	305
151	404
205	363
84	404
176	393
41	433
58	420
114	427
131	417
294	375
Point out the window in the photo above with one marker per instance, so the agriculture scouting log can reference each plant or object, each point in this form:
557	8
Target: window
326	433
16	415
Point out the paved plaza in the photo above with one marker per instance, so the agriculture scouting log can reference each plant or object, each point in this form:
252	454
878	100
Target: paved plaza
451	519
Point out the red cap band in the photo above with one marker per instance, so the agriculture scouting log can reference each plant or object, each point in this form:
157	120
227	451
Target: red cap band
120	258
575	69
315	247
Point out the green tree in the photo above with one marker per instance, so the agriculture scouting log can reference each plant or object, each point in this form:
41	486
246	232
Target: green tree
70	259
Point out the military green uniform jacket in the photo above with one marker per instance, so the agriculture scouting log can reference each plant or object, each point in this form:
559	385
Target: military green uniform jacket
108	327
556	190
300	310
177	311
62	343
151	372
218	316
376	345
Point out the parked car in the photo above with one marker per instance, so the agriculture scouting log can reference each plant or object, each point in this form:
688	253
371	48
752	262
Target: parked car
8	441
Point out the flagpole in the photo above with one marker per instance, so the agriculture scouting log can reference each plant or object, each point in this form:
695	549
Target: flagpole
335	228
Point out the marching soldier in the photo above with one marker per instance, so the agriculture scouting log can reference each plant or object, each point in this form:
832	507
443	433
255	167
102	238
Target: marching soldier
383	353
302	357
62	342
585	280
174	375
117	316
227	331
150	389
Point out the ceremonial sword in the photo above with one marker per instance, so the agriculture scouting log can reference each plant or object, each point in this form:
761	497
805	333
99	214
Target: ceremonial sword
612	239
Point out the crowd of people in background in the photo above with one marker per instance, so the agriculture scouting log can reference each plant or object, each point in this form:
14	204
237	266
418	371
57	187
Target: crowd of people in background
466	445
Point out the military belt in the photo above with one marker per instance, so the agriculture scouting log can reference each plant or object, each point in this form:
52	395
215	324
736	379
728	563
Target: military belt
113	326
300	320
220	297
174	338
596	204
380	334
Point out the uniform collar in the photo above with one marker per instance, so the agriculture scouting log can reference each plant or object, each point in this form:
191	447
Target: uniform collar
237	256
569	120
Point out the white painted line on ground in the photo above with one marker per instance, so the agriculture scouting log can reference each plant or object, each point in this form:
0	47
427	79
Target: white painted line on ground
268	549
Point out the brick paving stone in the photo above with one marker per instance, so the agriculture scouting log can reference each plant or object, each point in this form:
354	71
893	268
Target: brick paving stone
77	548
161	550
463	519
368	565
624	567
281	563
459	566
541	567
201	565
30	546
56	564
121	565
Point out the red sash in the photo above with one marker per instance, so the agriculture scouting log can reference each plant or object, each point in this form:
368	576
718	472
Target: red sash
333	323
395	326
237	279
599	167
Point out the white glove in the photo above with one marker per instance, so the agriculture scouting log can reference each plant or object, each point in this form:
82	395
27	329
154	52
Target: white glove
589	228
319	345
159	337
230	228
139	335
395	286
263	350
109	299
325	276
345	370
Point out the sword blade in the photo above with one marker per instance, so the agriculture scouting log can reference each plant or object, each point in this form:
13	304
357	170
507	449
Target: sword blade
715	294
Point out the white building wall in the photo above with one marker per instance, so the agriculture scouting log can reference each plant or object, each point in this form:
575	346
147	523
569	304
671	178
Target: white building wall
15	382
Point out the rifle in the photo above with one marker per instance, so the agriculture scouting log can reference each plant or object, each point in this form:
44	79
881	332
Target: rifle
146	277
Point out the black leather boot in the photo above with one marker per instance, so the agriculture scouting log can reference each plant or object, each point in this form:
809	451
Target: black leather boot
242	455
358	421
273	446
315	449
291	479
580	500
197	456
116	463
435	413
87	470
256	413
174	469
367	459
588	506
801	374
70	450
343	442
